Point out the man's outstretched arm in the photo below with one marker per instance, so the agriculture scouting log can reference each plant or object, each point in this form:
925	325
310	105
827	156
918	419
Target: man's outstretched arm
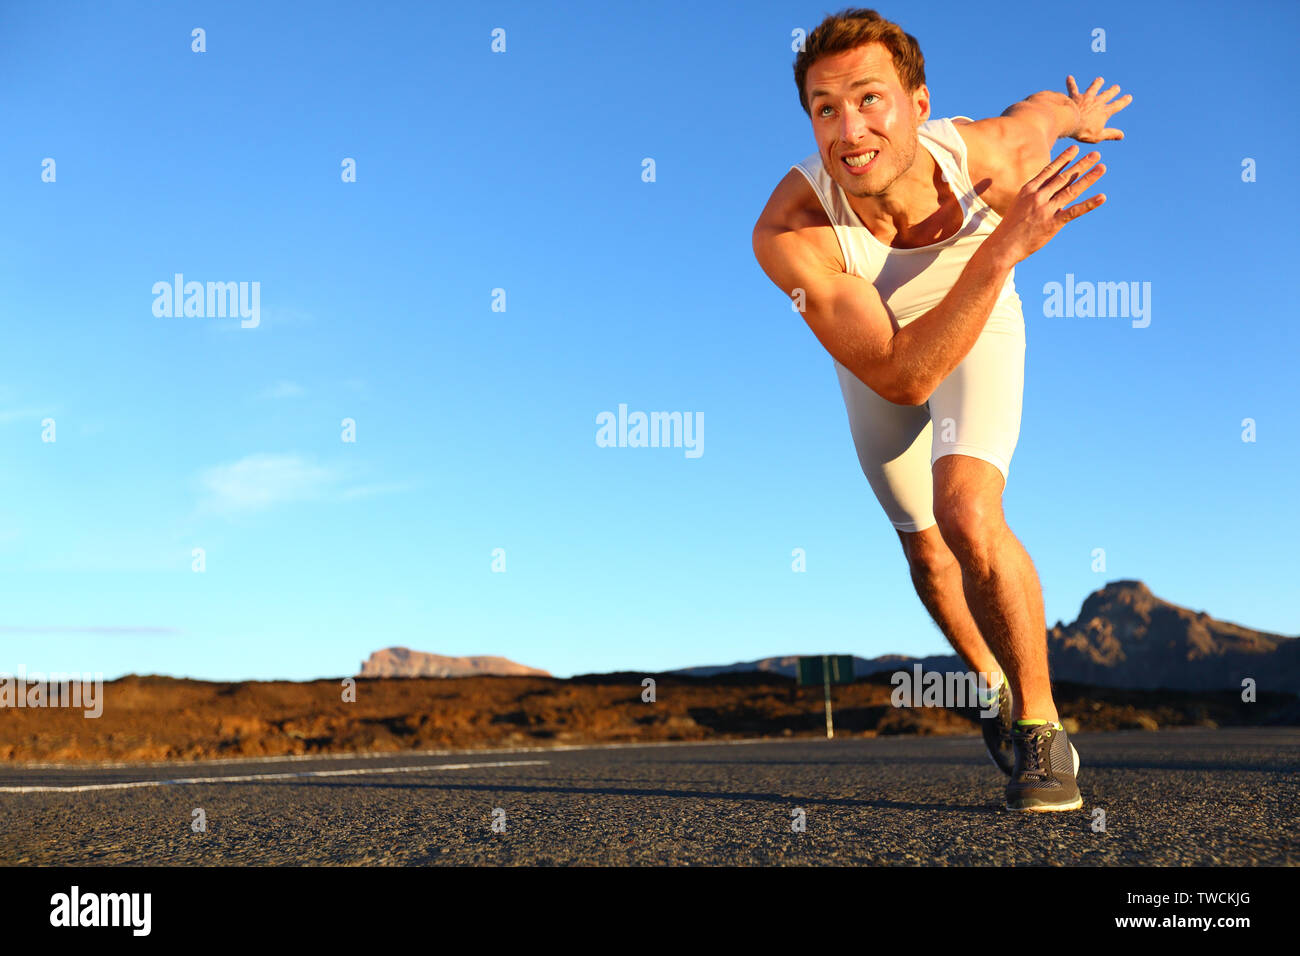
1047	116
1006	150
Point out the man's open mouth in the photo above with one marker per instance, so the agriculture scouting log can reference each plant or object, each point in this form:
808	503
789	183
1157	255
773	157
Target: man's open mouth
860	161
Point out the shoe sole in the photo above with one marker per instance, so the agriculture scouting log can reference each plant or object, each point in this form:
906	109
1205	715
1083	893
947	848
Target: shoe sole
1075	804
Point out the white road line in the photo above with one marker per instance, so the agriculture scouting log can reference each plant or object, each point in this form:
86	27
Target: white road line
244	778
394	754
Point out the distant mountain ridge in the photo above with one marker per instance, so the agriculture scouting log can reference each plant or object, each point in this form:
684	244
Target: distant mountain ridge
404	662
1125	637
862	666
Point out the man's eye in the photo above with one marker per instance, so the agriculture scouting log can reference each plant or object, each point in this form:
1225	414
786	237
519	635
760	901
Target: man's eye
869	96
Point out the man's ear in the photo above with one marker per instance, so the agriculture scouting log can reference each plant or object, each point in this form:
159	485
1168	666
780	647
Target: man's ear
921	103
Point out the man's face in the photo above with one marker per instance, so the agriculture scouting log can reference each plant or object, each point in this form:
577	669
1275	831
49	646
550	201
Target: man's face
859	108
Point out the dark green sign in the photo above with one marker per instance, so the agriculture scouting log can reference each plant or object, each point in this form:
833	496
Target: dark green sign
812	670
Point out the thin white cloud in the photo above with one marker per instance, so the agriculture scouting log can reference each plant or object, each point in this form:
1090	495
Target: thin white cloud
380	488
257	482
283	389
8	415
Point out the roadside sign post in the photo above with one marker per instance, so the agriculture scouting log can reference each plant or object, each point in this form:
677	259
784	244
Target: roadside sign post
830	723
826	669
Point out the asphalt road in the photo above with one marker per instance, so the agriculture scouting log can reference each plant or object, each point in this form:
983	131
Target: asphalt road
1175	797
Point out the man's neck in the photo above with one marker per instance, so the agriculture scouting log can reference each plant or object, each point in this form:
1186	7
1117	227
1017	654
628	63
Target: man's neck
908	207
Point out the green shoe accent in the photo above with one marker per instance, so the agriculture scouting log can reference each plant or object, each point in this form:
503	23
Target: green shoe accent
1035	722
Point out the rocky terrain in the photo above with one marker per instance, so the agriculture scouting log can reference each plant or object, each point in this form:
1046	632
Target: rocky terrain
1125	636
162	718
1129	661
404	662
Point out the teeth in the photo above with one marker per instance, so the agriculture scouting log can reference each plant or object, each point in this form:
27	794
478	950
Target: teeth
861	160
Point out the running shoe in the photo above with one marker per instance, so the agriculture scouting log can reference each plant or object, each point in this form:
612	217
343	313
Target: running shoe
996	728
1046	764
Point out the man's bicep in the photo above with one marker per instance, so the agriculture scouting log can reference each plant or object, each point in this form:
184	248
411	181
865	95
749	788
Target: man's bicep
844	311
850	320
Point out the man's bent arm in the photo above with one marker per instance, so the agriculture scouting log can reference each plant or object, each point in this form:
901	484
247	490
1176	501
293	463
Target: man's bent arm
846	313
799	253
1039	211
928	348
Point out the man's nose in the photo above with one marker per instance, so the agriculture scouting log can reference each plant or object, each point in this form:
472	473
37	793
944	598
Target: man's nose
854	126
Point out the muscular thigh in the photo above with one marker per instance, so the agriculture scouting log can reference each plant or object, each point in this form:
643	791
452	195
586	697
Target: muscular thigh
893	443
975	411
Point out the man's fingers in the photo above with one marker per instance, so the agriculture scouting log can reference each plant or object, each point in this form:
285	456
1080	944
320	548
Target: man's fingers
1071	213
1094	86
1111	133
1119	104
1078	185
1071	87
1064	177
1109	95
1054	167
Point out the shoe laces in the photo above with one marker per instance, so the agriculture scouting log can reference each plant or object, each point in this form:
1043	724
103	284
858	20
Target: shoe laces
1031	748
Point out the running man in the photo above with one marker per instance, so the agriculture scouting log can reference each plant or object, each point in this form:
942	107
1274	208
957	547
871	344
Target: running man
898	240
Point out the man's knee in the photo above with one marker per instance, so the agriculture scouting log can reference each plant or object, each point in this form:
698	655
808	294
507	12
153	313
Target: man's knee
970	525
968	505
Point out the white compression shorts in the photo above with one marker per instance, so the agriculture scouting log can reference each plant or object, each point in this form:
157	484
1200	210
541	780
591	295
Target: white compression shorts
975	411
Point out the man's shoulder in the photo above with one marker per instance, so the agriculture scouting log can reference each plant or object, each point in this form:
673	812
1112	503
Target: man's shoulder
995	152
794	204
794	233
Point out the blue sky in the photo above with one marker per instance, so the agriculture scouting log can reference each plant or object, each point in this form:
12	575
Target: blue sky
475	428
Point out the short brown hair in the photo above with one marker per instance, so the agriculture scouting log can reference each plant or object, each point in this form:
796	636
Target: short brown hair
855	27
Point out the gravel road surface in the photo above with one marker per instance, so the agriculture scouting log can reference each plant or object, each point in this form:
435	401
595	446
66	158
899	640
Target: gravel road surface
1174	797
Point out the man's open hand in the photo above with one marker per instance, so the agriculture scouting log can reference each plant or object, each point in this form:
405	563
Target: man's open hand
1095	109
1042	205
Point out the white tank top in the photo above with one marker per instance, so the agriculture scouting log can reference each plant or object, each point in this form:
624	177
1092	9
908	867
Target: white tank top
913	281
